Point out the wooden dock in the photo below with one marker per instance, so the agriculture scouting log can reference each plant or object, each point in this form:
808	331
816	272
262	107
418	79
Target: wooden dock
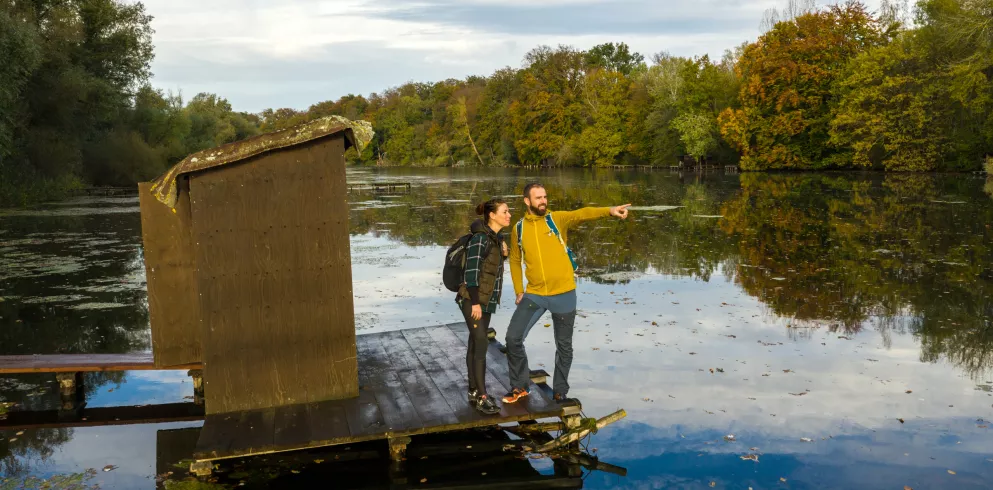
104	191
102	416
381	186
477	459
411	382
69	369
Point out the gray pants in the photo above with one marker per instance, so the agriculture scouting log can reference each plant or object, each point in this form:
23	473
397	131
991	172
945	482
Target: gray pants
529	311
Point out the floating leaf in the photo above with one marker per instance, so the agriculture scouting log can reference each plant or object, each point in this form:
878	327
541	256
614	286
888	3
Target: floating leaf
950	472
109	467
751	457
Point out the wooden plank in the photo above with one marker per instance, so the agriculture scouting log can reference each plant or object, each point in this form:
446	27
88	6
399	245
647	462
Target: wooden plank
538	401
292	426
216	434
455	348
445	375
363	415
383	405
389	366
328	421
74	363
173	446
428	400
496	362
274	275
256	429
170	271
537	482
103	416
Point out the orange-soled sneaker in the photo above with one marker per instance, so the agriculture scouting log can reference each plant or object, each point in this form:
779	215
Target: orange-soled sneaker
514	395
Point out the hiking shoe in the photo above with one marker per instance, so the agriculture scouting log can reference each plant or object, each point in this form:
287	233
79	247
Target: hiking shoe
485	404
514	395
473	396
564	400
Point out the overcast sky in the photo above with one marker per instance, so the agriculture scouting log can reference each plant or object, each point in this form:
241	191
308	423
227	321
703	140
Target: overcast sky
293	53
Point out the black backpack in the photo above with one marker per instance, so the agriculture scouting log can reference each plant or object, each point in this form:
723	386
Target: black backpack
454	270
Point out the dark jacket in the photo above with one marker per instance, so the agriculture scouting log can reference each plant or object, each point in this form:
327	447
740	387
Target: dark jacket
483	277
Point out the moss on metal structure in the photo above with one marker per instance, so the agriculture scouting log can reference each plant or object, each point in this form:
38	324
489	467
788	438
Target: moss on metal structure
357	134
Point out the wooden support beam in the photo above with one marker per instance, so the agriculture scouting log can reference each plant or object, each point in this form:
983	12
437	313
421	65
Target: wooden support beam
201	468
592	463
197	375
71	390
574	436
537	427
539	376
398	447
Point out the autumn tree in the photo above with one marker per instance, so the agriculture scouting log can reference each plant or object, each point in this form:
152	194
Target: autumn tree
787	79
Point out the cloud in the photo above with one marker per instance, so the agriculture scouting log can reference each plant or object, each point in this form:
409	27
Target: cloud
294	53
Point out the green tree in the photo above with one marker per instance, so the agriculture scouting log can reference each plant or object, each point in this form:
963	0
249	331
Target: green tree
214	123
21	55
698	133
614	57
93	56
604	95
922	102
162	122
653	104
547	116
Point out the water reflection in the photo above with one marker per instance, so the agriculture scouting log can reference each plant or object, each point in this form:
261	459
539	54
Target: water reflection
908	254
848	310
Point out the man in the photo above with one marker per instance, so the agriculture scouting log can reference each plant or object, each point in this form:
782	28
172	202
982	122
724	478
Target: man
551	285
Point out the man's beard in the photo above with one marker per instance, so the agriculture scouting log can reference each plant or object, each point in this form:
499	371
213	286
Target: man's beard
538	211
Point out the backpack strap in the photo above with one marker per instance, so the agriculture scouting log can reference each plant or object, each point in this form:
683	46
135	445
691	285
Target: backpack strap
555	229
520	232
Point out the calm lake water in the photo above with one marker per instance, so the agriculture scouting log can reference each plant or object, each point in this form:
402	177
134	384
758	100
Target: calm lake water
839	326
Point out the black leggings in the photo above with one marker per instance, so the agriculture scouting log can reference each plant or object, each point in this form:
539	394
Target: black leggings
475	357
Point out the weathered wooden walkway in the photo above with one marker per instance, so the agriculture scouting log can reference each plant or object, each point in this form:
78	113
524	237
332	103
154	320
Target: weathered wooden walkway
82	363
69	369
411	382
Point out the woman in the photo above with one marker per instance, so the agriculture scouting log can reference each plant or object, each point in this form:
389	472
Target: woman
479	293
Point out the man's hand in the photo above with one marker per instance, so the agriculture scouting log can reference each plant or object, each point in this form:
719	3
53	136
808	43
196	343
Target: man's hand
503	245
519	298
477	313
620	211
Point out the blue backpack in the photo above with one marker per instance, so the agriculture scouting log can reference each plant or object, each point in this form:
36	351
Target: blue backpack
555	229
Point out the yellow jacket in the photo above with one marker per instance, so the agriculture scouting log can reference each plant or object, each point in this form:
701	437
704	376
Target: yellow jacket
549	270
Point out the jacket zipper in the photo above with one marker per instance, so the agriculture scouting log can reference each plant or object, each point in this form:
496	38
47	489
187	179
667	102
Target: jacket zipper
541	262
